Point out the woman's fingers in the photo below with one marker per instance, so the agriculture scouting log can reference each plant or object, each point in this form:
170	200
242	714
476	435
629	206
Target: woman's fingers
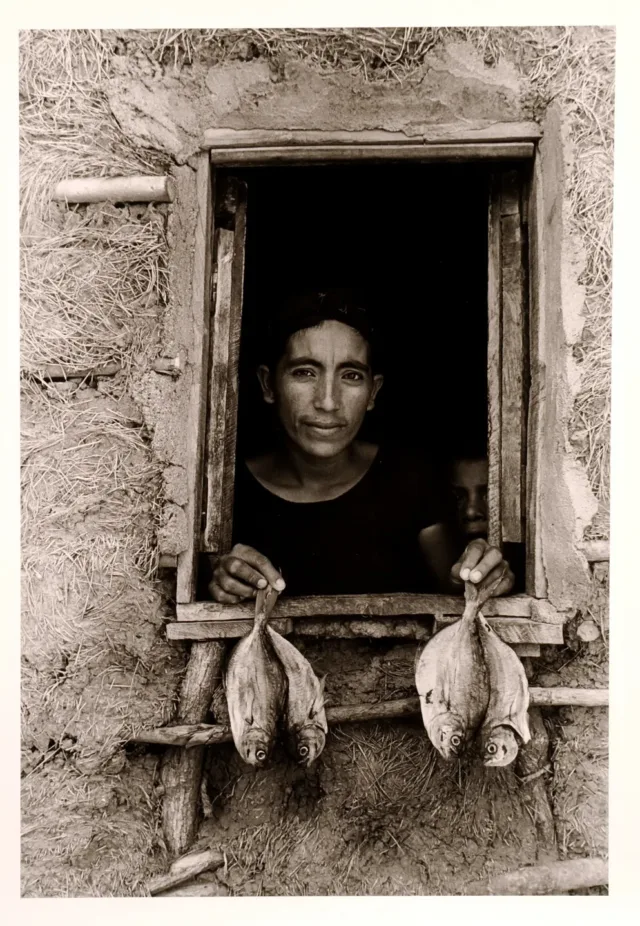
223	597
490	560
470	558
482	564
260	563
240	574
243	572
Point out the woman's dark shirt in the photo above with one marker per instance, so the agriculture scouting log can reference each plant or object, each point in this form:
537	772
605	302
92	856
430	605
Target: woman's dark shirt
365	540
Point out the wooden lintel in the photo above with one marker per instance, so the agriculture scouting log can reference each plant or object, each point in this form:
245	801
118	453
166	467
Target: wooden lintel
442	134
392	605
292	154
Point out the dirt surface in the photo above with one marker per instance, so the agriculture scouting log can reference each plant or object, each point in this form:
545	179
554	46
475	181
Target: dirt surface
379	813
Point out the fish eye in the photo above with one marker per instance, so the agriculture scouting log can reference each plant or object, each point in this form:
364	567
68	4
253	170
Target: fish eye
261	755
303	751
492	749
455	740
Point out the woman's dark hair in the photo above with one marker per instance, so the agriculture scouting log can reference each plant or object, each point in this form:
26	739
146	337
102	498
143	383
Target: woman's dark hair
311	308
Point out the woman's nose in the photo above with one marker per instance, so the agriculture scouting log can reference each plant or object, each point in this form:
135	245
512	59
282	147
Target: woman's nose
326	396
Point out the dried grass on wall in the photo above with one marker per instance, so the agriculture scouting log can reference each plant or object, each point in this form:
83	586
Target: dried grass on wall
95	665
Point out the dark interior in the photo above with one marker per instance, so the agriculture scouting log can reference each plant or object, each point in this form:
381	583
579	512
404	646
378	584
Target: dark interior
415	237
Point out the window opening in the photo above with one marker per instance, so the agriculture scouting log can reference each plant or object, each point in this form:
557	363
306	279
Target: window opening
419	238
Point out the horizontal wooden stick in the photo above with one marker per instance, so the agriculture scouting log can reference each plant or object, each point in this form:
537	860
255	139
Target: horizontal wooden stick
569	697
56	371
292	154
186	868
555	878
137	189
211	734
390	605
596	551
452	133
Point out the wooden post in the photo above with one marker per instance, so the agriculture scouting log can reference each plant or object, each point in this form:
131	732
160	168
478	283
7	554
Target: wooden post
198	365
223	393
530	766
512	408
535	579
494	364
181	768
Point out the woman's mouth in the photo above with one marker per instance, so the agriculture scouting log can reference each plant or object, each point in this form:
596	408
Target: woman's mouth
323	427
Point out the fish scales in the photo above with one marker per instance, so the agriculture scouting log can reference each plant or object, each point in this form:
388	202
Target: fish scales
256	688
452	683
452	678
305	716
507	712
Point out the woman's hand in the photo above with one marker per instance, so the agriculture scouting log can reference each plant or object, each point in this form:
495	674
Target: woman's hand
482	565
239	575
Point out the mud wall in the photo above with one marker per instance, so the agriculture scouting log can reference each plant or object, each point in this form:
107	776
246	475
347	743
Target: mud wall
170	111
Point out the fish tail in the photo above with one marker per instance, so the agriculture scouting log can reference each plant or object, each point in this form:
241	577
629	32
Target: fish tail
265	601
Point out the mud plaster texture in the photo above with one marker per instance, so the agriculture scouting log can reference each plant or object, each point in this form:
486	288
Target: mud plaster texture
96	667
170	111
566	501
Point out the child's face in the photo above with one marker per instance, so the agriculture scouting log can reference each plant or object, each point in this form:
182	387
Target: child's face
469	483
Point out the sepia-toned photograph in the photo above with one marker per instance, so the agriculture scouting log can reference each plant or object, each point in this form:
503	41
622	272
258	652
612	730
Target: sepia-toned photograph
315	381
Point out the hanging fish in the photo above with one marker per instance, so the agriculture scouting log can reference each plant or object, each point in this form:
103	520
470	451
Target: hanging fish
305	717
506	714
452	678
256	687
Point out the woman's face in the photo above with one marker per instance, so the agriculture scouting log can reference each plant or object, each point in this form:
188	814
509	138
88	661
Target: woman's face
322	387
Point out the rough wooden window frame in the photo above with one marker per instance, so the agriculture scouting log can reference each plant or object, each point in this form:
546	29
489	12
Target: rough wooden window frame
216	454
